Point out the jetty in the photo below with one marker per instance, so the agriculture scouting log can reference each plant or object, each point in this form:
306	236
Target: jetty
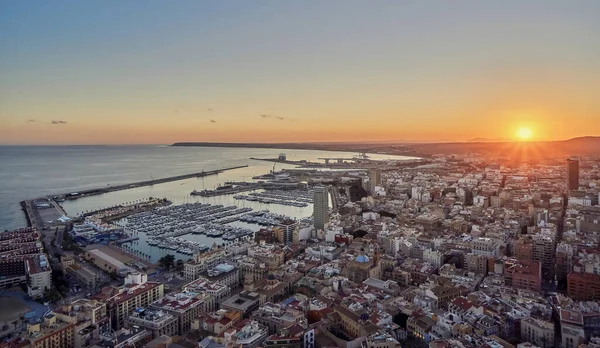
43	212
112	188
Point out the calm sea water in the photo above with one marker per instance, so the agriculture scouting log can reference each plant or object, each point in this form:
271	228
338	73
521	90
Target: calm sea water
35	171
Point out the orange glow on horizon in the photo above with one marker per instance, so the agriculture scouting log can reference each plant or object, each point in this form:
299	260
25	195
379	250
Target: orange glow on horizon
524	133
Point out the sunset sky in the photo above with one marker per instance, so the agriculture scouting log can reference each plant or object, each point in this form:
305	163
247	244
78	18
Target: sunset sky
134	72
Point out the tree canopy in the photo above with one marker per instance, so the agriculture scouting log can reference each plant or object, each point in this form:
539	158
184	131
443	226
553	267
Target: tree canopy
167	261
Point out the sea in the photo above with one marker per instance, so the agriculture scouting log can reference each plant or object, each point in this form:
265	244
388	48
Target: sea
28	172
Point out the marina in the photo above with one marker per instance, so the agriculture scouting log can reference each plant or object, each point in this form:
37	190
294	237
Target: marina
295	198
165	227
112	188
227	189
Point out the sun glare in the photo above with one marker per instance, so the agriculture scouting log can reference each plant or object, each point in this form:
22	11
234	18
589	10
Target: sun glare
524	133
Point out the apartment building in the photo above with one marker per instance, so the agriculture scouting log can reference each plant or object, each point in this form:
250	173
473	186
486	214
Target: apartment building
156	321
476	263
194	268
538	332
51	332
485	246
183	306
130	297
583	286
211	293
39	276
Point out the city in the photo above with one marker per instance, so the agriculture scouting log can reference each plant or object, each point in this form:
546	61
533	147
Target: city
300	174
455	251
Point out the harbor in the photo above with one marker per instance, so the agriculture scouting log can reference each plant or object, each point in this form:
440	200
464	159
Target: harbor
193	228
112	188
46	212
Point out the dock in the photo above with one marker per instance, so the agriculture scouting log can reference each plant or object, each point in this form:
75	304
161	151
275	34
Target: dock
112	188
283	161
126	240
221	192
43	219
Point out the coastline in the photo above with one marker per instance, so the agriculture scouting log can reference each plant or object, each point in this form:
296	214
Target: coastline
381	149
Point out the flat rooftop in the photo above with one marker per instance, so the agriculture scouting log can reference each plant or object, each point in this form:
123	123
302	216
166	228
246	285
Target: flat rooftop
133	290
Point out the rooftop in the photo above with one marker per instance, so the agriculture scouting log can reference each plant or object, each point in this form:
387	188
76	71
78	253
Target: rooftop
179	302
132	290
203	284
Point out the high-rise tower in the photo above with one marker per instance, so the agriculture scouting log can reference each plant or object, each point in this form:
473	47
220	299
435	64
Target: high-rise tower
573	173
374	179
321	207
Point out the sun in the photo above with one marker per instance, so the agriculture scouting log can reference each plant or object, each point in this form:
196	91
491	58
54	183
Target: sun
524	133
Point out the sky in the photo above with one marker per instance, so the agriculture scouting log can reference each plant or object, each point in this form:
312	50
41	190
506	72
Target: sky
158	72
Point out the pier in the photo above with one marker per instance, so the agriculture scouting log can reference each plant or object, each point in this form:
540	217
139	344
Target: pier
227	191
112	188
43	219
283	161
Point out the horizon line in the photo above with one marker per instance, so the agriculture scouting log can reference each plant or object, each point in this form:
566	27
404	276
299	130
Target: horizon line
373	142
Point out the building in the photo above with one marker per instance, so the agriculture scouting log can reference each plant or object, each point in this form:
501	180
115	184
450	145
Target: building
544	250
194	268
374	179
321	207
22	261
362	267
90	318
284	231
183	306
83	275
130	297
571	336
419	326
434	257
251	335
20	251
125	338
564	261
245	302
106	262
211	293
523	249
485	246
538	332
274	317
39	276
526	274
381	339
354	324
269	290
476	263
389	286
51	332
583	286
269	255
12	272
216	322
156	321
573	173
225	274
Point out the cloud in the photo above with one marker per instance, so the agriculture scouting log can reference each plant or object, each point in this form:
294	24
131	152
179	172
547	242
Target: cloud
279	118
59	122
31	120
265	115
213	121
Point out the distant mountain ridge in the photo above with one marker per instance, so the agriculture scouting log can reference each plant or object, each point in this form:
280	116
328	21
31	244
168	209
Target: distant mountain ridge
576	146
487	140
587	145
